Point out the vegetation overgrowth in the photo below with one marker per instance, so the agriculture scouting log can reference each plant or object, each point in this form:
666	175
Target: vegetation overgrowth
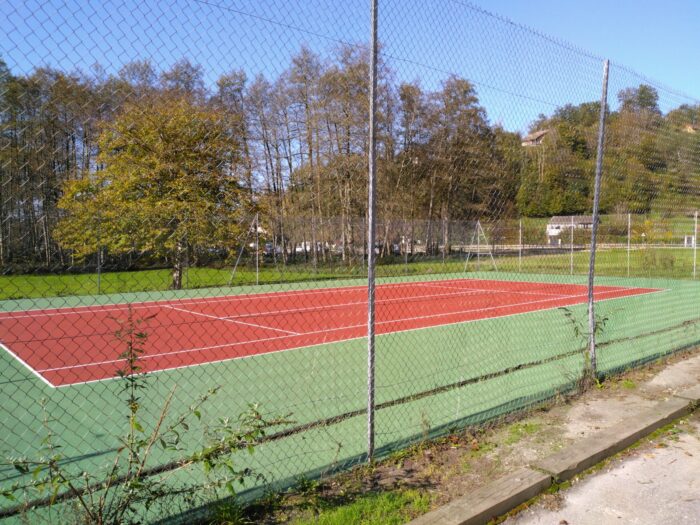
135	480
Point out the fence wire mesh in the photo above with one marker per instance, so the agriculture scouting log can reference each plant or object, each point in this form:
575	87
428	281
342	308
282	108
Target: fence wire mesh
183	199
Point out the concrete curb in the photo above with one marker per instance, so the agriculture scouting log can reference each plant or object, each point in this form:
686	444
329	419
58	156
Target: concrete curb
589	451
506	493
491	500
691	394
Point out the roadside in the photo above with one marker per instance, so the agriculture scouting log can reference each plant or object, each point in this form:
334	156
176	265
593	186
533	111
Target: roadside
597	425
653	482
427	476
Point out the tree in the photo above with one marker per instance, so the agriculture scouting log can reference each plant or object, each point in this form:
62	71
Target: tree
168	183
184	78
639	99
558	174
6	146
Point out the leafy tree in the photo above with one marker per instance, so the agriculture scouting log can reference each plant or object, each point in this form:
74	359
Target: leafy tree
298	145
140	75
168	181
582	115
642	98
558	174
184	78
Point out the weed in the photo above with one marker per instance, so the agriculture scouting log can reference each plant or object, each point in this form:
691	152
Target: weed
400	456
387	508
589	374
520	430
483	449
130	484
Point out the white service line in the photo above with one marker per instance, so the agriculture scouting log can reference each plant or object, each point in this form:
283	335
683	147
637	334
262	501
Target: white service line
227	359
227	345
233	318
356	303
144	305
228	320
428	285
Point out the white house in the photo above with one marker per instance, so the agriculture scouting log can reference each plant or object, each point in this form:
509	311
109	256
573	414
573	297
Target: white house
560	223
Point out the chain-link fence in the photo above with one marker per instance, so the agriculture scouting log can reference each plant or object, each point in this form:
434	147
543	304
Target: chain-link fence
184	232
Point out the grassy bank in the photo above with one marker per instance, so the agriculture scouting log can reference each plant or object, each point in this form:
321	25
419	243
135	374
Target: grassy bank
673	263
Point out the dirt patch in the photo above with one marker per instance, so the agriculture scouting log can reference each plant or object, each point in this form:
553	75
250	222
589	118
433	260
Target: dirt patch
600	412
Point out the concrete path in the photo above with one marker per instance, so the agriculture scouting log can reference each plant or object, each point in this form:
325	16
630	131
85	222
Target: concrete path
652	485
656	482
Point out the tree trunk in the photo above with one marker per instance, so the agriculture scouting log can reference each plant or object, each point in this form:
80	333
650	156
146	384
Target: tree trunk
445	232
178	266
429	235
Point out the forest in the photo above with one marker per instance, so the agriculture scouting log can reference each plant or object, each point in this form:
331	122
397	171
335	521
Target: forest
157	161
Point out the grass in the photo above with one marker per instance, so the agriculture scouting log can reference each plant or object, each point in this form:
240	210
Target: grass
482	449
520	430
44	285
643	262
628	384
384	508
675	263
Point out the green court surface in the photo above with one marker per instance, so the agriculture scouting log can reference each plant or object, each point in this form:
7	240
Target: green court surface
427	381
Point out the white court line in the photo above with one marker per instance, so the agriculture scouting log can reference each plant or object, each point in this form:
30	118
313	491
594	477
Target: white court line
460	291
350	327
343	305
23	362
228	320
143	305
227	359
428	285
235	317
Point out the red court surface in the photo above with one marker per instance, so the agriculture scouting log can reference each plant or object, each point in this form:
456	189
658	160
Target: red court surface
75	345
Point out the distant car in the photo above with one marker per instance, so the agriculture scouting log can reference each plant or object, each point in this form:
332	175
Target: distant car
305	247
270	249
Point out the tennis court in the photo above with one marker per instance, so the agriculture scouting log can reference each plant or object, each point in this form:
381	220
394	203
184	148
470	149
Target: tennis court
67	346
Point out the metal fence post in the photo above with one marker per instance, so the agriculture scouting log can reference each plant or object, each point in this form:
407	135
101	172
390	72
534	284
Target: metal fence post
695	245
478	245
520	245
405	247
371	207
629	241
99	270
186	269
257	249
571	248
99	254
594	232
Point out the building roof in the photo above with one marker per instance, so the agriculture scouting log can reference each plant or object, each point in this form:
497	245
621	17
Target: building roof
535	135
535	138
567	219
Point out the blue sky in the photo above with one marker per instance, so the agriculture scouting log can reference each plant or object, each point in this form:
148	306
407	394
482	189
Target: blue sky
657	37
517	73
